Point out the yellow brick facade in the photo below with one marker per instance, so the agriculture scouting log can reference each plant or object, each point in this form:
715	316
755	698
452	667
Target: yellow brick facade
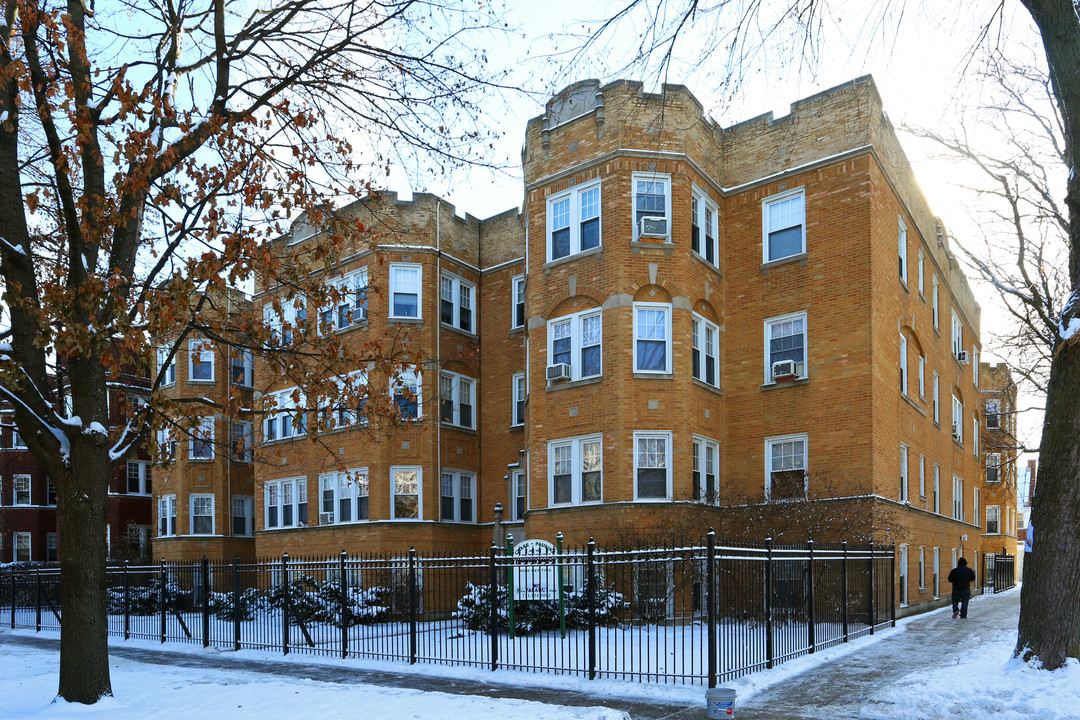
624	443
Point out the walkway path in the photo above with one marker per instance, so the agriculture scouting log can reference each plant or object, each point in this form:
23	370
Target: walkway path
848	687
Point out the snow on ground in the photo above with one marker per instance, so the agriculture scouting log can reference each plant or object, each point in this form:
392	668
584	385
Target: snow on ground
141	690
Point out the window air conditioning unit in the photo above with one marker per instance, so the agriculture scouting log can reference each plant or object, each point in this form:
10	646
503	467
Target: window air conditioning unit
782	369
326	518
956	432
558	371
653	227
964	357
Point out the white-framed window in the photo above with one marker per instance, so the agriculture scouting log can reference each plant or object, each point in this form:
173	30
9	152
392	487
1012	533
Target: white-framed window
922	475
575	470
517	296
957	335
285	503
652	466
17	442
937	488
20	489
975	436
242	367
457	400
921	274
285	326
457	496
575	340
405	290
785	467
705	483
518	496
166	515
50	491
285	416
166	367
457	302
993	467
703	226
922	377
344	497
407	391
922	566
652	199
958	419
993	414
52	547
243	515
783	225
901	239
934	306
573	221
957	498
350	307
517	384
166	443
243	441
993	519
406	499
975	504
785	339
705	363
138	477
903	364
200	360
937	403
20	547
903	472
902	569
652	338
975	366
937	572
346	406
201	442
201	509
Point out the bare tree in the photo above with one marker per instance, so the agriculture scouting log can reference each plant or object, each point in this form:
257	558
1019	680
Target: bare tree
147	151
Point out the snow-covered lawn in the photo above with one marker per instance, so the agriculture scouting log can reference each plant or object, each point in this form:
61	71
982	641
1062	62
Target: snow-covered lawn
29	685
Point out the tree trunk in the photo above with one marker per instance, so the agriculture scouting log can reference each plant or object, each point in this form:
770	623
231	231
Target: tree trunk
81	513
1050	597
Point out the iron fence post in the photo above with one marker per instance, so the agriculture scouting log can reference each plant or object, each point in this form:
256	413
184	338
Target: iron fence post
286	604
769	650
236	601
892	585
162	596
205	582
412	606
710	600
591	590
559	581
493	627
344	606
811	631
37	601
870	594
127	602
844	589
12	599
510	585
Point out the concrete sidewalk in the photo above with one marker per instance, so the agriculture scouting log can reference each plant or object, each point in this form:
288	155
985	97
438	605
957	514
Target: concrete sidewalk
845	688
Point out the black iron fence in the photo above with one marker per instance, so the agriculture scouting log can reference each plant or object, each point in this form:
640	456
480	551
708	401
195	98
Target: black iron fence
999	572
698	614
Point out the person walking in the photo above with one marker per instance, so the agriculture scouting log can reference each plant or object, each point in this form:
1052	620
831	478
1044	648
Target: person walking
961	578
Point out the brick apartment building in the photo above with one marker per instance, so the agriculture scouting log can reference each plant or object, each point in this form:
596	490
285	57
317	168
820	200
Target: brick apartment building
1001	459
28	498
683	316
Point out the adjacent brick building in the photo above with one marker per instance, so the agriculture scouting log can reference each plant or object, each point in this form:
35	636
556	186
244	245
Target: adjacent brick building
1001	457
683	317
28	497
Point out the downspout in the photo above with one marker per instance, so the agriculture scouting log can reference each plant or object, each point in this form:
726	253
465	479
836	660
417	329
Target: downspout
437	480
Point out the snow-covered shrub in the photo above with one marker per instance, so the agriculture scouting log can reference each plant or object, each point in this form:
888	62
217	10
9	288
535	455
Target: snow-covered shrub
474	609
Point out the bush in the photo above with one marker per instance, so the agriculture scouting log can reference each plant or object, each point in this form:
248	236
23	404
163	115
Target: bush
474	609
313	601
144	600
251	603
